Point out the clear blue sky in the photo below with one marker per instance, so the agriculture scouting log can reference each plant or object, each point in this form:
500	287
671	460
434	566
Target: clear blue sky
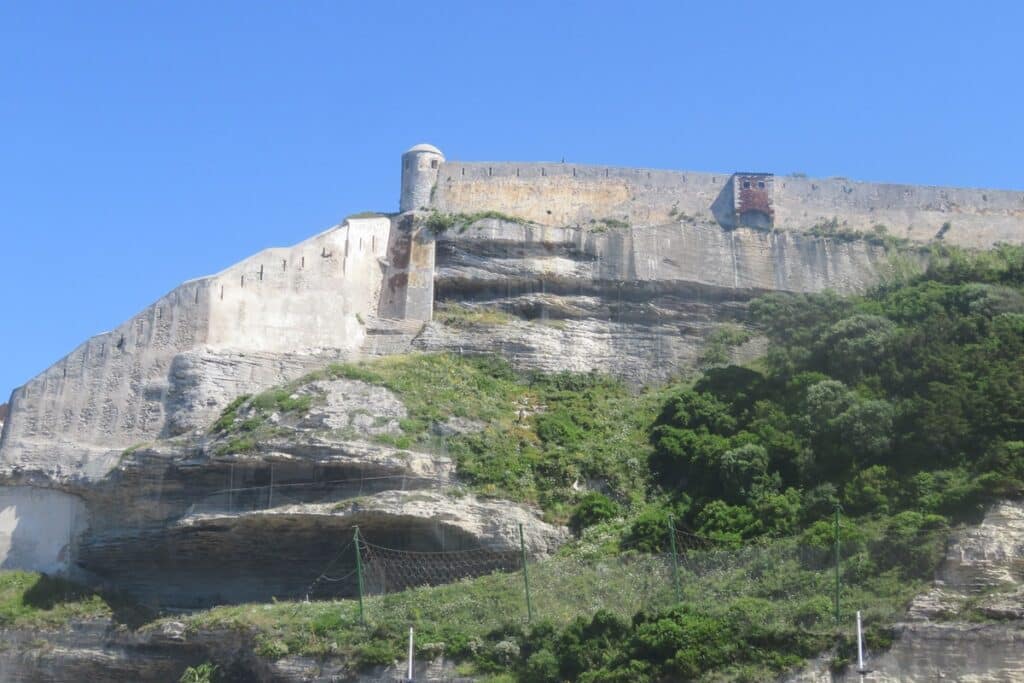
145	143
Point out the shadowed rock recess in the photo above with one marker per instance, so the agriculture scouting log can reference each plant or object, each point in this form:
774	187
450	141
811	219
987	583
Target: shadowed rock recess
262	505
201	453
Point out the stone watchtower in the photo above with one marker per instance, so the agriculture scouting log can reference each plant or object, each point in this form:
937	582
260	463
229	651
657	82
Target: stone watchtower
420	166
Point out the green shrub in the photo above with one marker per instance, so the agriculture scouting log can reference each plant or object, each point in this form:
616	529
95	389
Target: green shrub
271	648
542	667
592	508
227	417
202	673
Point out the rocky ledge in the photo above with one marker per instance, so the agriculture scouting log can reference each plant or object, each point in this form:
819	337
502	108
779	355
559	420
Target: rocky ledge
258	507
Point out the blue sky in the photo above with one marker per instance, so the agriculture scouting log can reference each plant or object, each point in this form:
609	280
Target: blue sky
146	143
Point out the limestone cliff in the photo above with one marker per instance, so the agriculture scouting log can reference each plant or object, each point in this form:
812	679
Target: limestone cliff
639	302
275	491
970	625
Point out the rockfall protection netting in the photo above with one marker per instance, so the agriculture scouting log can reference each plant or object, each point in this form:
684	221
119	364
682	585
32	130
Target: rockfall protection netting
488	587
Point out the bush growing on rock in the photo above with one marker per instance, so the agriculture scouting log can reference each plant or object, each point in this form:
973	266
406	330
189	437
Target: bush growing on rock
592	508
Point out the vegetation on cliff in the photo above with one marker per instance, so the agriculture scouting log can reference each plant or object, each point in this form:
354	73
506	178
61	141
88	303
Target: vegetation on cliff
904	406
28	599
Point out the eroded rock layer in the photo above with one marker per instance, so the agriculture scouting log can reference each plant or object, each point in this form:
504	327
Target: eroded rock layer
266	505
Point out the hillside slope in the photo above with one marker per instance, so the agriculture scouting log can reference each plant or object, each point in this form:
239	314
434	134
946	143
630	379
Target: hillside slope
902	406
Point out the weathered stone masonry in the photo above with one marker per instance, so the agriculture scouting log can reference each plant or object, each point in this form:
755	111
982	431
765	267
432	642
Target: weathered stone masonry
557	194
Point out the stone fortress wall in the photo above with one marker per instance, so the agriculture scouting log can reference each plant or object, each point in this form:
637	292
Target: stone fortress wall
117	388
559	194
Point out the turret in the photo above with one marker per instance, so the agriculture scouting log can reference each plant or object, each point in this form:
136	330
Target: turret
420	166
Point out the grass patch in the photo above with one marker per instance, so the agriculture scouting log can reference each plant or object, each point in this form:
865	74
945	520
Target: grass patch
457	315
599	225
282	400
879	235
543	434
368	214
236	445
247	418
228	416
33	600
439	223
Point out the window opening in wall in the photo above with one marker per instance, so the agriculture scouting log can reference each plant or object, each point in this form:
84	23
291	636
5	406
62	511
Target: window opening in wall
746	184
760	184
490	171
222	292
433	163
303	262
463	170
406	164
261	272
284	264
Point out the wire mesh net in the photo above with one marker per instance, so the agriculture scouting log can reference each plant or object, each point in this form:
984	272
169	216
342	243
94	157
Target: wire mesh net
782	582
389	570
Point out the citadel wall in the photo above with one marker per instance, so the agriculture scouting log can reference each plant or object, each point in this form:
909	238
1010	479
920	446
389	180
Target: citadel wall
557	194
120	388
303	298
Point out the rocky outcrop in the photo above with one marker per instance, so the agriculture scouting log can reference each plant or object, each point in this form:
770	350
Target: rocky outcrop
263	505
970	625
99	650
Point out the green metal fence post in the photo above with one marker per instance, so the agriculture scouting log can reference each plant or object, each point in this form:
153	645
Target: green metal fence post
526	576
837	565
359	576
675	559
